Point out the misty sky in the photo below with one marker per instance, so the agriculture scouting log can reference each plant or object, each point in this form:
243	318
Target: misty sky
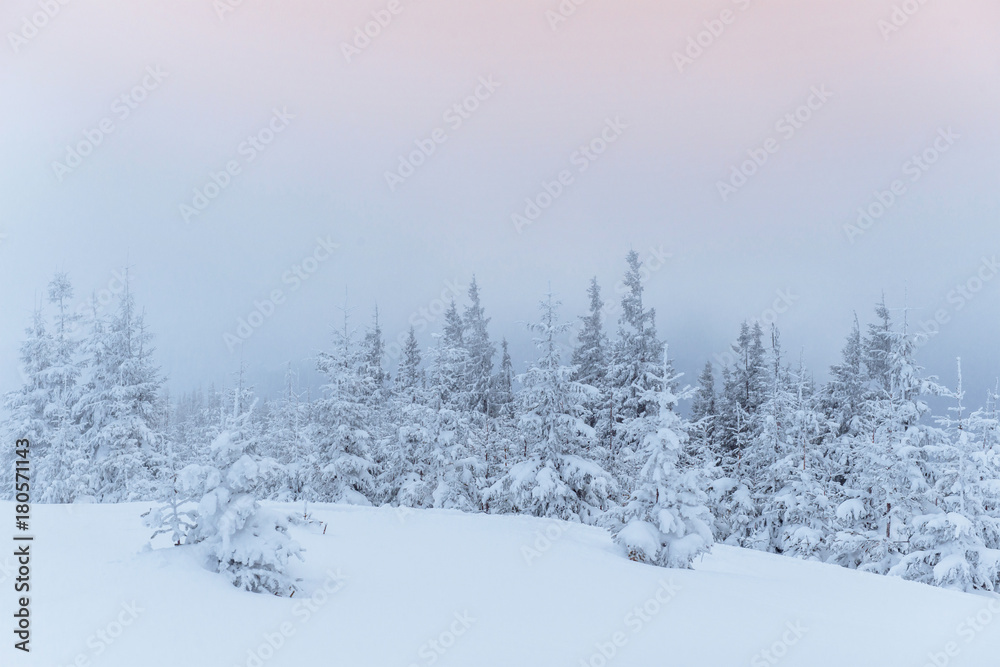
165	94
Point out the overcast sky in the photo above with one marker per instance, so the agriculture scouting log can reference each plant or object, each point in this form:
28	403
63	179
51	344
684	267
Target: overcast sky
163	96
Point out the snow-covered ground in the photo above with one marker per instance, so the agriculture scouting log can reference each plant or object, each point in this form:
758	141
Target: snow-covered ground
385	588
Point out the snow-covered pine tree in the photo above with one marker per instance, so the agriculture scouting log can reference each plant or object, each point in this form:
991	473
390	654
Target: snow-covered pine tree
947	545
705	414
845	412
342	428
845	393
504	434
120	406
248	544
450	364
744	390
503	385
27	405
483	429
891	480
985	424
410	376
375	378
666	520
557	479
591	351
636	356
590	359
376	398
65	466
177	516
409	477
458	467
288	440
481	352
801	507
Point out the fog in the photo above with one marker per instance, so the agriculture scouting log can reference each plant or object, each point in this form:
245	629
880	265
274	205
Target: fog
789	162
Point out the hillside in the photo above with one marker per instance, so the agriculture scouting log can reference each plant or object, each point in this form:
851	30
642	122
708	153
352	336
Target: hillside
444	588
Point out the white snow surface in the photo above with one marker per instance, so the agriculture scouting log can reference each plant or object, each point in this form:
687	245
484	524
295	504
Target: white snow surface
487	590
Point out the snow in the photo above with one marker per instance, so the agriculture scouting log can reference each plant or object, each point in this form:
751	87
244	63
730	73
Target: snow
852	510
397	580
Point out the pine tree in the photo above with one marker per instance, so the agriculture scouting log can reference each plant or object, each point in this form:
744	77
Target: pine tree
342	430
373	376
503	390
590	354
846	391
743	463
66	458
458	466
705	415
891	477
557	479
801	509
635	369
745	388
246	543
666	521
27	406
291	444
450	364
121	408
947	546
410	376
480	351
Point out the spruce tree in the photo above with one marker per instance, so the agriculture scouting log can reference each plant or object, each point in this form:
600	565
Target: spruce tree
666	520
635	371
557	479
480	352
121	407
342	429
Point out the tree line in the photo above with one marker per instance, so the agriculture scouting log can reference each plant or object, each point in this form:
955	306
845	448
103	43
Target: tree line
854	471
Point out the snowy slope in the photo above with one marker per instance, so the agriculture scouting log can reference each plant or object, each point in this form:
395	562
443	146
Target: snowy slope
465	583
